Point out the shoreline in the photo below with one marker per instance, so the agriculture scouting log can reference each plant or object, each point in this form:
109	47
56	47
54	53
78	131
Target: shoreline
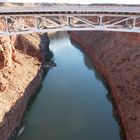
80	38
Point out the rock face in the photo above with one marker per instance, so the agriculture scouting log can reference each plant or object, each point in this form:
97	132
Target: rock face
30	45
2	57
20	75
7	56
117	57
7	51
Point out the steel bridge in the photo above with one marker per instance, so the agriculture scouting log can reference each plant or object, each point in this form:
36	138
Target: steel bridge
21	20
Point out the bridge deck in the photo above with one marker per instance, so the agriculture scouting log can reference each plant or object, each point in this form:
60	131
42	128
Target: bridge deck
19	20
71	9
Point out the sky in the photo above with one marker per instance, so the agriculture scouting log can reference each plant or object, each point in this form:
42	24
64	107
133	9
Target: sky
80	1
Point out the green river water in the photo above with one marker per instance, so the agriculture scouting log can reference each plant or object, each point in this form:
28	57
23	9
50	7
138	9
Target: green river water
73	103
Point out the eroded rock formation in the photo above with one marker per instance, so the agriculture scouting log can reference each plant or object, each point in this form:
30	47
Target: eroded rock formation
7	51
7	56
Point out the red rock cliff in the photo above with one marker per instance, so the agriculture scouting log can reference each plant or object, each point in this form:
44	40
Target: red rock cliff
7	55
20	75
117	57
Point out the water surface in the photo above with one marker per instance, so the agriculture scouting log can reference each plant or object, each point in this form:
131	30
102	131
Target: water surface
72	104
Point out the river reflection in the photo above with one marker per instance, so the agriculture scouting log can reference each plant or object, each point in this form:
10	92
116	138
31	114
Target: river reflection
72	103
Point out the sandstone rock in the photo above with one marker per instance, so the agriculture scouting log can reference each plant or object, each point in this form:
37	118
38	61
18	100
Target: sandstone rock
2	57
7	51
30	45
3	84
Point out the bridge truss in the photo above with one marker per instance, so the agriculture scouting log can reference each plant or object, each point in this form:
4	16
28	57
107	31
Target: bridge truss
29	23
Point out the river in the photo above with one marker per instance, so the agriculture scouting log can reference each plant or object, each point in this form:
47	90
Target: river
73	103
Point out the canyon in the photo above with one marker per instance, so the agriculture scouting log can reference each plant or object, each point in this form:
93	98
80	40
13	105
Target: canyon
115	55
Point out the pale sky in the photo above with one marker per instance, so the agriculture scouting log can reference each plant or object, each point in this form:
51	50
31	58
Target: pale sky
80	1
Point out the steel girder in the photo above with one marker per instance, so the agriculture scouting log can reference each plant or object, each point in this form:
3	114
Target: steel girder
22	24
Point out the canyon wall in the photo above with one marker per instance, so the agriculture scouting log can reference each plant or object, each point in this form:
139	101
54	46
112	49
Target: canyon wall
21	72
117	57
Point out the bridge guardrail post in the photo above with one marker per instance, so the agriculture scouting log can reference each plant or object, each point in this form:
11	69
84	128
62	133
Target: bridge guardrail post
134	22
101	20
36	22
6	24
68	21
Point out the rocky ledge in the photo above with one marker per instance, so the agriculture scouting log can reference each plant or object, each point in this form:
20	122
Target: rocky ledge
21	59
117	57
